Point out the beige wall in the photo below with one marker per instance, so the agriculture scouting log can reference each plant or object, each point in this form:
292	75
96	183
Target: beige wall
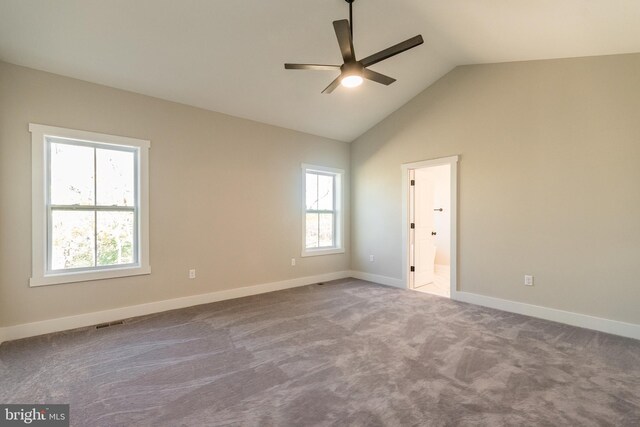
549	185
225	195
549	181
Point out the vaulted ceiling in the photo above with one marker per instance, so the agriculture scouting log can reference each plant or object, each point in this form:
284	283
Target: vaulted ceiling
228	56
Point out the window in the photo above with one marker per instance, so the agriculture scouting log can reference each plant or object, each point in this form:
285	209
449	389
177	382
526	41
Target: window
322	211
90	206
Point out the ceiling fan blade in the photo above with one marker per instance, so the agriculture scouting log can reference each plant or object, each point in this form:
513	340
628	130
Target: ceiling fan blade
320	67
377	77
334	84
392	51
343	33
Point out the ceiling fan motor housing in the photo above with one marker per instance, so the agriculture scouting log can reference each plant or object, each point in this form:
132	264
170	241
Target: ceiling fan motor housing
351	69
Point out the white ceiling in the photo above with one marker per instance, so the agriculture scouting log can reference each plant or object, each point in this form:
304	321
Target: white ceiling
228	56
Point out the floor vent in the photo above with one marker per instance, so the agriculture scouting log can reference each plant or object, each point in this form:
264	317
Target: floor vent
106	325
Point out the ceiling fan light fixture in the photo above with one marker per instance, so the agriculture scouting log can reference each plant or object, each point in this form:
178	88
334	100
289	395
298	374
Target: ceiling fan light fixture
353	80
351	74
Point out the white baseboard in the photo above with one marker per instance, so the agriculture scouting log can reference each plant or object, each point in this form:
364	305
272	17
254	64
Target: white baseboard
88	319
383	280
615	327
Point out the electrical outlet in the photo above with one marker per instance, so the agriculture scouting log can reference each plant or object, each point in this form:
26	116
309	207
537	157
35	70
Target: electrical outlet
528	280
372	258
192	273
293	262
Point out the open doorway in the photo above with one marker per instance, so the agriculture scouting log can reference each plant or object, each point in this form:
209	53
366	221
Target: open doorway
430	218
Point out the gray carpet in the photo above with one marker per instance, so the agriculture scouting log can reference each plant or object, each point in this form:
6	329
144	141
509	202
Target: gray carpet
346	353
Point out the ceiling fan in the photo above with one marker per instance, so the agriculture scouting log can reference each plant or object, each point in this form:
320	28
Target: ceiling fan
352	71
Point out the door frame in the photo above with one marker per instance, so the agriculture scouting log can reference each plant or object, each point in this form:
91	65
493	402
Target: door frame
452	161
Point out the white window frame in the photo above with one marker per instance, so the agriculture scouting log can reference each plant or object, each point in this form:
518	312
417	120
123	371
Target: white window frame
338	247
40	275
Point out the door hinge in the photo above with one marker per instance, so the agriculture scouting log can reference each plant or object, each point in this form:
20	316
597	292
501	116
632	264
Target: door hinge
412	268
413	225
413	182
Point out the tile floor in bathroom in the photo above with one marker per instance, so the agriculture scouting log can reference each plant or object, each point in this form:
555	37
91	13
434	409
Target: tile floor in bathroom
440	285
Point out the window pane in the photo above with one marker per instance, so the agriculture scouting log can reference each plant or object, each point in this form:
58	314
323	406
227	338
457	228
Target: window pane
71	175
72	239
115	171
326	230
311	239
312	191
115	238
325	192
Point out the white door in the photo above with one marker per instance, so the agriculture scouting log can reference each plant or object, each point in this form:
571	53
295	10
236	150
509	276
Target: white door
424	237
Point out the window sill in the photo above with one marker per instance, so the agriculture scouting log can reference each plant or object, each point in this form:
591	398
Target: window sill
318	252
58	279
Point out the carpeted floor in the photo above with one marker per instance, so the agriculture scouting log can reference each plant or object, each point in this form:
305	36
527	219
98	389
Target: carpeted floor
346	353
